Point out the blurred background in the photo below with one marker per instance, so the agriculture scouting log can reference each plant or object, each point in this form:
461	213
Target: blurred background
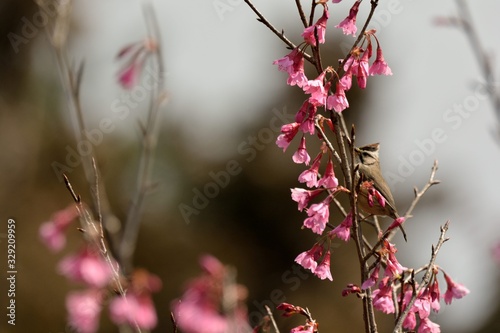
224	98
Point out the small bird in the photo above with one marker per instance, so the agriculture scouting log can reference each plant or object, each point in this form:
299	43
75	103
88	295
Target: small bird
369	177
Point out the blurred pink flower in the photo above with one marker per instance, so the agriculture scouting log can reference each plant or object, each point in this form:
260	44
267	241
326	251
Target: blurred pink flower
137	306
87	266
52	233
495	251
133	309
200	309
83	310
137	54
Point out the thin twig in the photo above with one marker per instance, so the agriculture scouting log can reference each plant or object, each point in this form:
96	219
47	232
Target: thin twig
426	278
71	82
270	314
482	57
324	138
280	35
419	194
340	136
149	140
301	13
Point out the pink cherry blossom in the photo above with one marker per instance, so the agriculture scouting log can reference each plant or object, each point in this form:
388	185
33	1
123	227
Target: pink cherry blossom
343	230
310	176
83	310
396	223
317	90
382	297
305	117
319	27
303	112
329	180
410	321
52	233
393	267
288	133
293	64
422	305
338	101
454	290
290	309
427	326
348	25
363	70
345	82
318	216
323	269
435	295
372	279
308	259
351	289
379	66
302	196
301	155
352	63
88	267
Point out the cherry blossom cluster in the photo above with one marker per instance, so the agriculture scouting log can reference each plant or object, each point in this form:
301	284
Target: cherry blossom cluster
328	91
427	299
320	95
88	267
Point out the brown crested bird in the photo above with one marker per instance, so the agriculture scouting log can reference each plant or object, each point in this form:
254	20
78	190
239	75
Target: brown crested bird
369	177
